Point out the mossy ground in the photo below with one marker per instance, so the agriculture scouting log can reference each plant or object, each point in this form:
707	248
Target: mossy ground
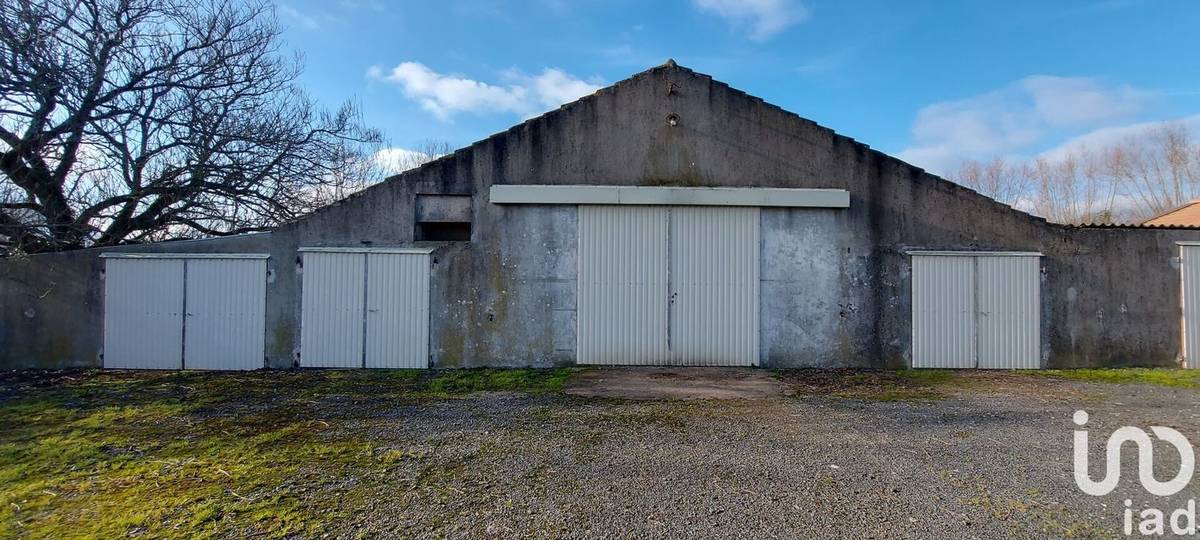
292	453
1177	378
108	454
936	384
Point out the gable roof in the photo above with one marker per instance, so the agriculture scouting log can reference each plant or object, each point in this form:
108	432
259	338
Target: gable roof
671	66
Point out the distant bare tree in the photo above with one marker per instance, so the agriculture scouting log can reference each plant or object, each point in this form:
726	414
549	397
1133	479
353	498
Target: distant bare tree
1127	180
1074	189
134	120
1159	172
995	179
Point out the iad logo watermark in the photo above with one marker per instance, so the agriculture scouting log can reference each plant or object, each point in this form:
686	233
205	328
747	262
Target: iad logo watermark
1152	521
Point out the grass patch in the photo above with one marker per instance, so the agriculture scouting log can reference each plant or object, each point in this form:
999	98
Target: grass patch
929	377
107	454
1177	378
885	385
505	380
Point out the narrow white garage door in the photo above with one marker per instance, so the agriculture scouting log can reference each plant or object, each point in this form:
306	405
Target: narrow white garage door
397	329
1190	271
1009	312
332	298
668	285
714	286
226	314
976	310
189	311
365	308
622	302
943	312
143	313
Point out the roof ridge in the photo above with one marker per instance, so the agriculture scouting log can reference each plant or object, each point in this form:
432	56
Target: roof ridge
671	64
883	155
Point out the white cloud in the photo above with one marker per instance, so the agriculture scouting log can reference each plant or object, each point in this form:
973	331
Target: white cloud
760	18
555	87
446	95
1012	119
304	20
396	160
1077	100
1103	137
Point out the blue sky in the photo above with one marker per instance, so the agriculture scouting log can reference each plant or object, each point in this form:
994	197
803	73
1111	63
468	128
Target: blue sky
932	82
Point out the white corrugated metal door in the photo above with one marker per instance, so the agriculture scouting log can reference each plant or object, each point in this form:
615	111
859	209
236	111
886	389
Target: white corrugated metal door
714	286
226	313
365	308
1190	271
622	302
143	313
943	312
668	285
397	310
331	309
1009	312
976	310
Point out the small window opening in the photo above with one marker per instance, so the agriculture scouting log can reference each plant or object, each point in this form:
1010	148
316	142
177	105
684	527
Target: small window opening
443	231
443	218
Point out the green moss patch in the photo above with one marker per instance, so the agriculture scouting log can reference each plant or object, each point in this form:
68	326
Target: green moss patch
195	455
1178	378
507	380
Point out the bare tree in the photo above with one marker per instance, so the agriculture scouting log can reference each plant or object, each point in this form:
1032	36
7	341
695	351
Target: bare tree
134	120
996	179
1127	180
1074	189
1160	171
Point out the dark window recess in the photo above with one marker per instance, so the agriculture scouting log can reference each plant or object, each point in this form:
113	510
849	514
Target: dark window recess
442	218
443	231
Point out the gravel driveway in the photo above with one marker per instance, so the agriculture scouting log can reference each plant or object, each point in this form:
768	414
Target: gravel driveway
990	458
422	454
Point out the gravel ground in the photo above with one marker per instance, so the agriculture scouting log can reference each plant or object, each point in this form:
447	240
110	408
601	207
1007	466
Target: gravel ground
419	455
991	459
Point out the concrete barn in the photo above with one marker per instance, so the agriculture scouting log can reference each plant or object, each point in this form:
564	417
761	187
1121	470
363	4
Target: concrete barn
668	219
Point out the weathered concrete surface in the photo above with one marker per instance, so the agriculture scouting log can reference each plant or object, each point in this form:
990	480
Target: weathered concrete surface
836	285
511	296
676	383
807	290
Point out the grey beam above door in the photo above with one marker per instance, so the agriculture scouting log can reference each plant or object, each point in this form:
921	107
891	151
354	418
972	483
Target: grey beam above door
676	196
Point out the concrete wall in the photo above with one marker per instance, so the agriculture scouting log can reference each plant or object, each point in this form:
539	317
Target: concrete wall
836	288
809	289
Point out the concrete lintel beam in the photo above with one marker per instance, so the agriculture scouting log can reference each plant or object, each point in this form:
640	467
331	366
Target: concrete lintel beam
679	196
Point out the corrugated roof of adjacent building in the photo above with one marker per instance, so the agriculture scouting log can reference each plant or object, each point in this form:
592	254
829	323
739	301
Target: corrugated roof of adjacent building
1133	226
1186	215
